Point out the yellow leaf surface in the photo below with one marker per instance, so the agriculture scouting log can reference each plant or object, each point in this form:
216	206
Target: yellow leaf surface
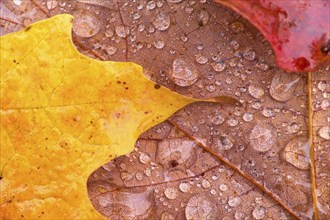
63	115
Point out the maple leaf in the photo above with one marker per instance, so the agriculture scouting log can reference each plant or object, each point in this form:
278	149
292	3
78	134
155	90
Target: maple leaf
63	115
299	31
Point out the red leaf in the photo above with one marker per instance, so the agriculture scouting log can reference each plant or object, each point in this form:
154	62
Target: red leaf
299	31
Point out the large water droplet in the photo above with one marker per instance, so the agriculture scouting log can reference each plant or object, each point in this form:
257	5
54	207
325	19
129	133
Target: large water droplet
184	72
256	91
200	207
283	86
162	21
225	142
171	193
324	132
203	17
176	154
85	23
259	212
296	152
263	137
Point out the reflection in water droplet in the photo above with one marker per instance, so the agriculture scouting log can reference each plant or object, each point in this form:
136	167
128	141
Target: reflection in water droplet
256	91
283	86
184	187
324	132
162	21
184	72
296	152
127	205
171	193
85	23
203	17
225	142
234	201
263	137
51	4
259	212
200	207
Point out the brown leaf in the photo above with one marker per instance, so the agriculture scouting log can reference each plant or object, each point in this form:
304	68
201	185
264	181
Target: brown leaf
201	49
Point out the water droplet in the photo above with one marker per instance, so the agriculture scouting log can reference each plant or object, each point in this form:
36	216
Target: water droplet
144	158
17	2
174	1
263	137
206	184
184	187
268	112
167	216
171	193
85	23
322	85
234	44
147	171
283	86
324	132
296	152
292	128
111	50
151	5
219	66
259	212
225	142
51	4
201	59
139	176
248	116
210	88
237	27
122	31
184	72
159	44
200	207
232	122
223	187
325	104
256	91
162	21
234	201
203	17
218	119
213	191
239	216
249	54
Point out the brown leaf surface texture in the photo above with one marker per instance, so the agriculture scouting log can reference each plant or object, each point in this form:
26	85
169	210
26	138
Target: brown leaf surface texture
258	167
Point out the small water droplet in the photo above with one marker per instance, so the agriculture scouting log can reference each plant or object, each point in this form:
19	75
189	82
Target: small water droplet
111	50
322	85
232	122
268	112
201	59
234	44
263	137
234	201
218	119
259	212
256	91
171	193
225	142
162	21
17	2
159	44
51	4
324	132
122	31
139	176
151	5
219	66
283	86
184	72
248	116
184	187
144	158
210	88
213	191
206	184
203	17
296	152
223	187
249	54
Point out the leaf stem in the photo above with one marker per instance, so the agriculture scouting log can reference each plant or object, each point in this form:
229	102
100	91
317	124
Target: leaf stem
311	145
240	172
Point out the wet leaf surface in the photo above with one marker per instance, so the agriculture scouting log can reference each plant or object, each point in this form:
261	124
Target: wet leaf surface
299	31
209	159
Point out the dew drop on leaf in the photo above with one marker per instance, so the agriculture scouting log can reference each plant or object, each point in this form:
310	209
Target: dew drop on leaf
324	132
263	137
249	54
225	142
85	23
171	193
234	201
259	212
296	153
256	91
206	184
200	207
223	187
162	21
184	72
219	66
203	17
51	4
184	187
247	117
283	86
237	27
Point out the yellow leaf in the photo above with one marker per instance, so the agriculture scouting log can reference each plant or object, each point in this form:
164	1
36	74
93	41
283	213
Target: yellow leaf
63	115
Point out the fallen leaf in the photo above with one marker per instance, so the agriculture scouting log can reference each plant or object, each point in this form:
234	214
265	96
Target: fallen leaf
299	31
63	115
